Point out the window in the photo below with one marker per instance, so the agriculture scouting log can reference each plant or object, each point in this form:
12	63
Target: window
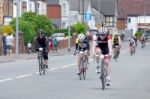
24	7
110	21
64	10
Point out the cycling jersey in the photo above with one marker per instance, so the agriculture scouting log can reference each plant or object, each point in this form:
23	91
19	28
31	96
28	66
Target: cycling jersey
131	41
83	45
42	42
116	41
102	43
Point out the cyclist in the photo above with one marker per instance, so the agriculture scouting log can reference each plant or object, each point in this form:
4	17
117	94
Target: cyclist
116	42
143	39
41	41
102	44
82	43
132	43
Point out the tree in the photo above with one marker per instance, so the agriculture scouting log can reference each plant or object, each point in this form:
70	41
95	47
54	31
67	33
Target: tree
80	28
30	23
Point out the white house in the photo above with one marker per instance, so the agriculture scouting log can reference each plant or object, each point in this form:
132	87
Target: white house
30	5
133	22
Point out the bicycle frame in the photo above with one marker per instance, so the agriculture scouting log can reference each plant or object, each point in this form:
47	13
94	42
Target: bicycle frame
83	65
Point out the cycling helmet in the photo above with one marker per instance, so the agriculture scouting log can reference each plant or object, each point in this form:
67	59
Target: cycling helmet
40	32
103	31
81	37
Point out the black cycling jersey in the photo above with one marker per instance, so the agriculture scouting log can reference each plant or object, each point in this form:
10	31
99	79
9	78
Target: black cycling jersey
103	44
83	45
116	41
41	42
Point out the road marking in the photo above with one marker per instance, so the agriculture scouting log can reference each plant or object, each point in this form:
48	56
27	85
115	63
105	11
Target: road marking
6	79
51	69
23	76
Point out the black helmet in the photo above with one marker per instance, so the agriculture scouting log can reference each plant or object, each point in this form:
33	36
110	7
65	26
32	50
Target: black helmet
40	32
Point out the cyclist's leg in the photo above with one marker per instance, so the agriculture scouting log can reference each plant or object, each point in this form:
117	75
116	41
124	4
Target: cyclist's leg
45	56
86	56
108	67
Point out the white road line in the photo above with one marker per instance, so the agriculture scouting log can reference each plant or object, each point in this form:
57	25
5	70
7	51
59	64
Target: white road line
51	69
23	76
6	79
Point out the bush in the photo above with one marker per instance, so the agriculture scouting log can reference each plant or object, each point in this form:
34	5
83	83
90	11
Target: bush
138	34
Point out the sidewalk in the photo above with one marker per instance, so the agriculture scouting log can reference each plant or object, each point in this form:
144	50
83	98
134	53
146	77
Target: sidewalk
26	56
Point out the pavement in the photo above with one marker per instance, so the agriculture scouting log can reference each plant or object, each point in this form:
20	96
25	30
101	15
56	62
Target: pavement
26	56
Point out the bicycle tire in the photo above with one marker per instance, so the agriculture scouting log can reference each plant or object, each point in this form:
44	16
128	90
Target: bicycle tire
81	71
102	76
40	66
44	69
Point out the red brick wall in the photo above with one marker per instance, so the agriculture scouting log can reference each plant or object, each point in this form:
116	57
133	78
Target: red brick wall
54	11
121	24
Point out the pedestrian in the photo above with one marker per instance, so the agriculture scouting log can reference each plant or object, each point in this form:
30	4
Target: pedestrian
4	44
55	43
29	47
50	44
9	43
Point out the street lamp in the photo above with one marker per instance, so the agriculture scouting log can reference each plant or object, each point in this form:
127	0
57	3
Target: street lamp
69	26
16	2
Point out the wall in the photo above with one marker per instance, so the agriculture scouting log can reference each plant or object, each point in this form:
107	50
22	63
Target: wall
121	24
133	23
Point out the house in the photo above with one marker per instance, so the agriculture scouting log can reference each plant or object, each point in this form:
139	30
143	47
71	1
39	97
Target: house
109	9
6	11
54	12
37	6
133	14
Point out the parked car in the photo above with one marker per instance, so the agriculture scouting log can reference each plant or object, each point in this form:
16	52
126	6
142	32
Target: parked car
58	36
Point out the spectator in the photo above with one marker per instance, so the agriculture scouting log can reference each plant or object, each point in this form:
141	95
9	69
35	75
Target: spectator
55	43
50	44
9	43
4	44
29	47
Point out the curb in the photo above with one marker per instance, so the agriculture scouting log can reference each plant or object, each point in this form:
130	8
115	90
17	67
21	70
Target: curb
6	61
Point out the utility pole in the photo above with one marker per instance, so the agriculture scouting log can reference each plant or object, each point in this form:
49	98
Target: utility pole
69	26
17	27
83	11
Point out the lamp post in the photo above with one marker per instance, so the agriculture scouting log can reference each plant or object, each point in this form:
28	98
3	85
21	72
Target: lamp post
16	2
69	26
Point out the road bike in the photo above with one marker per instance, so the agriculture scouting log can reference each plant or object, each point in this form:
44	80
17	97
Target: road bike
42	66
83	64
103	70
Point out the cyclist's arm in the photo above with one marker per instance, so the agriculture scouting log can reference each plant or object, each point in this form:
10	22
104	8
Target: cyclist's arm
120	42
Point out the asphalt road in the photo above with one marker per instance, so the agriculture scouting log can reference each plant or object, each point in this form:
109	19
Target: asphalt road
130	78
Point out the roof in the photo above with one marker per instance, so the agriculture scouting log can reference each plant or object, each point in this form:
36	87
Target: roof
53	2
133	7
107	7
75	5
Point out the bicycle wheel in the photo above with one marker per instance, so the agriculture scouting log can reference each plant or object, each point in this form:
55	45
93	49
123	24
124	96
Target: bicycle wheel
81	69
84	69
44	69
103	79
40	66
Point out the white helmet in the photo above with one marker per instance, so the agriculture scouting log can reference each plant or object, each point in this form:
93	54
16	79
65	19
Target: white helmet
103	30
81	37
